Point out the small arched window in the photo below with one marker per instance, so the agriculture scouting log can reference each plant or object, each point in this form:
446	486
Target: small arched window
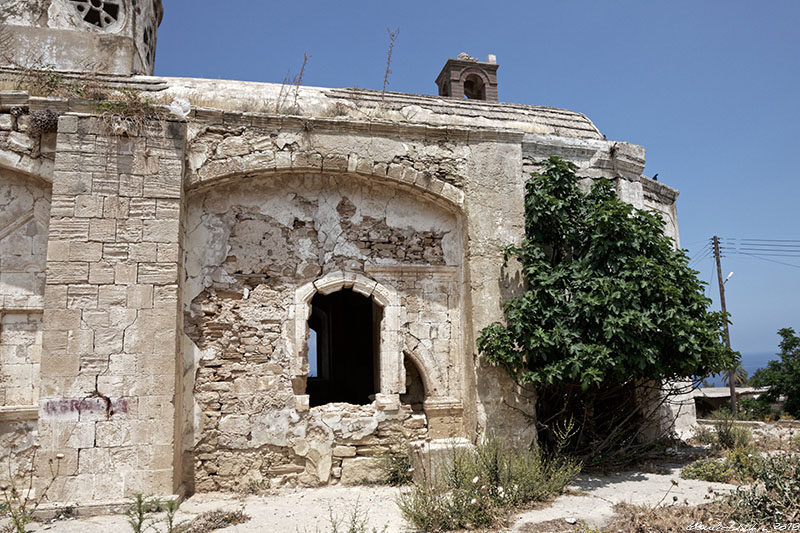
474	88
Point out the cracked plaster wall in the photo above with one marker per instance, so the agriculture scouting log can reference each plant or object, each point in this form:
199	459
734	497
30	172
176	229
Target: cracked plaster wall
248	247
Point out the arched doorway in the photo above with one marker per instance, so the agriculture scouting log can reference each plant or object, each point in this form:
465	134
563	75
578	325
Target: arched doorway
343	348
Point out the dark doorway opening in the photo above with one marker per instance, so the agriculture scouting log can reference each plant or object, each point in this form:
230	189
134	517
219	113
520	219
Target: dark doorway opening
415	389
343	347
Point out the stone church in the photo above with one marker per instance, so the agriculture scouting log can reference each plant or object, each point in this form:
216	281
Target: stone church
269	283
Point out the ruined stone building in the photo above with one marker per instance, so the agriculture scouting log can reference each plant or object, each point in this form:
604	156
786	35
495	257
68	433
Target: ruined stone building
272	285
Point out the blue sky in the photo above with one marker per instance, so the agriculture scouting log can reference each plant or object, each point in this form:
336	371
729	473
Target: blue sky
710	88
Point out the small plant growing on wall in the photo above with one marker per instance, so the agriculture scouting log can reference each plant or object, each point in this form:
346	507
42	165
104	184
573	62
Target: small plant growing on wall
20	502
126	111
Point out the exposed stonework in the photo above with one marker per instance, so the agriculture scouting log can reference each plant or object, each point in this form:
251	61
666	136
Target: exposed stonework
165	292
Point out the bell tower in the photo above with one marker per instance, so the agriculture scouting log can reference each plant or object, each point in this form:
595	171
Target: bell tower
466	77
95	36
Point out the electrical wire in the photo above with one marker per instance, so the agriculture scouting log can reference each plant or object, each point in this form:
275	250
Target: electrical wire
773	260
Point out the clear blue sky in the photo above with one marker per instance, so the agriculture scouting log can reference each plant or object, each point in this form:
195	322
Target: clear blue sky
710	88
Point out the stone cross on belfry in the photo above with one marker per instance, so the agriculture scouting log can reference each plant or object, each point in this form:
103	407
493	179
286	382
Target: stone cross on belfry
466	77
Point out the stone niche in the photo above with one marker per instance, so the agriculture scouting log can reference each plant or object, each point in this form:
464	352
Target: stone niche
265	258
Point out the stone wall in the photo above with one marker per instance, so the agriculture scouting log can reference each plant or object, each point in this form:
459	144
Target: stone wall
111	320
249	245
166	279
24	220
24	217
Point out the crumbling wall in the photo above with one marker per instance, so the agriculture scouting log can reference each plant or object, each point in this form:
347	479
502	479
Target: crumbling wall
24	217
249	246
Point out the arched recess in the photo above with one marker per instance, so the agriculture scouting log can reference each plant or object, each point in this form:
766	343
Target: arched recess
417	385
402	176
392	371
473	79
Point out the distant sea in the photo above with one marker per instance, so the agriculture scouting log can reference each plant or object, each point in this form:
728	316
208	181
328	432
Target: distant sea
751	361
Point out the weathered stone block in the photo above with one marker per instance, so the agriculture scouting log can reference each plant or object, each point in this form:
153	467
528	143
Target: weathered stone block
101	273
85	251
88	206
166	185
113	252
143	252
115	207
142	208
58	251
69	179
361	471
140	296
64	272
68	124
103	230
158	273
344	451
69	229
129	230
82	297
125	273
235	424
130	185
163	231
112	296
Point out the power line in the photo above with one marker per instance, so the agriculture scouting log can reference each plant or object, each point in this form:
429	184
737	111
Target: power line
772	240
772	260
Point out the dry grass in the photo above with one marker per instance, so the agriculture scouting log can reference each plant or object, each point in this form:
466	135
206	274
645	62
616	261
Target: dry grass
213	520
672	519
637	519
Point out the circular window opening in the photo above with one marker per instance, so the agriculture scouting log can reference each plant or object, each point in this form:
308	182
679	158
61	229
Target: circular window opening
101	13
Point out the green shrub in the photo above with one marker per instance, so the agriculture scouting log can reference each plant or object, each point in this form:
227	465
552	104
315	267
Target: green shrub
729	435
773	495
713	470
754	409
140	510
739	464
479	489
396	467
705	435
743	463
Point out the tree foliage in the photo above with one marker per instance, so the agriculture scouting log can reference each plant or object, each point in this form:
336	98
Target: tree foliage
782	377
609	299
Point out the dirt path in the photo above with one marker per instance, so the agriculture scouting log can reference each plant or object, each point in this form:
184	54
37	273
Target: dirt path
308	510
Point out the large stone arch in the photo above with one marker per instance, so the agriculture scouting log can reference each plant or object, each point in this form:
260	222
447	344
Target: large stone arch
257	249
403	176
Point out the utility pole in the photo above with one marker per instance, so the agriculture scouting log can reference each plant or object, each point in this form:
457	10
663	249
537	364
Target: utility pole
732	371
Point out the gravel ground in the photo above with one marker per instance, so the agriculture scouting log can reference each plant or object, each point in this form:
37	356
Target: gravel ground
308	510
